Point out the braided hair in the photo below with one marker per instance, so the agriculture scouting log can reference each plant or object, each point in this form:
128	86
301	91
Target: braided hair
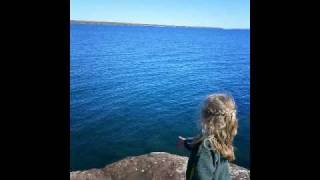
219	124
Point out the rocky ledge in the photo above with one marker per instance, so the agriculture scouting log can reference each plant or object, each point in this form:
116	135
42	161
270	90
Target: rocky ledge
153	166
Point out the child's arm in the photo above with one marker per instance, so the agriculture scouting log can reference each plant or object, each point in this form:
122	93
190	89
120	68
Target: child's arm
205	164
186	142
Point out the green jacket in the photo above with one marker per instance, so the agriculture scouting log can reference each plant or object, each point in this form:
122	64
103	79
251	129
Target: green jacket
205	164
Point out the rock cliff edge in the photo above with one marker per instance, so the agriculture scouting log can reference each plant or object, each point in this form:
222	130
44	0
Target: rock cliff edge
153	166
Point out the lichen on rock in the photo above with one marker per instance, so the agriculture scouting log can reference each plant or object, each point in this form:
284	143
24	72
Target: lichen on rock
153	166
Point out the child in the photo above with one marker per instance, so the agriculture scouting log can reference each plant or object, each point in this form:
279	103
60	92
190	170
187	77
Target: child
212	149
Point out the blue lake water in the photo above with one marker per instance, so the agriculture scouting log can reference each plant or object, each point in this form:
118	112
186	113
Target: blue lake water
134	89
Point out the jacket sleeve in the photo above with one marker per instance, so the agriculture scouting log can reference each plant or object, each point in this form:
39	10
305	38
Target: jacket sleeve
188	143
205	167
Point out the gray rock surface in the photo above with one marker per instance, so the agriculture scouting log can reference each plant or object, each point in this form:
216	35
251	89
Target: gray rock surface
153	166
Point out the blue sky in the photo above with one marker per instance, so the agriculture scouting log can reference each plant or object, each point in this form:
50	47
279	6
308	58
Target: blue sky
212	13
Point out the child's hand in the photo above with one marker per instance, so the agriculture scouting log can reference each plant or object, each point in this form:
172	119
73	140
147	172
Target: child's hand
180	143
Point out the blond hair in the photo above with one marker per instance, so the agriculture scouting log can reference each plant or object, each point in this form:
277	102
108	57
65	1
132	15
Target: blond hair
219	124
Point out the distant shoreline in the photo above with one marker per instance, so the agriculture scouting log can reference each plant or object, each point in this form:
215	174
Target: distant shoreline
141	24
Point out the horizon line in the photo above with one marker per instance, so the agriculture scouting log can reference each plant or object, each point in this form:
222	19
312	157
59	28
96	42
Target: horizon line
146	24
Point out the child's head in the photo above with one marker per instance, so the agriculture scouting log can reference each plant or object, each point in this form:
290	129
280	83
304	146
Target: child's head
219	123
